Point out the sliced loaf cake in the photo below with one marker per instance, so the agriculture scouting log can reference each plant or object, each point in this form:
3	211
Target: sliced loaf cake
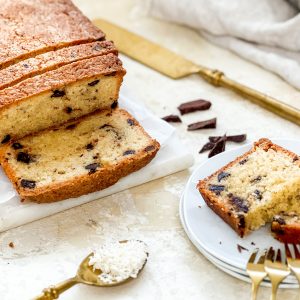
77	158
253	188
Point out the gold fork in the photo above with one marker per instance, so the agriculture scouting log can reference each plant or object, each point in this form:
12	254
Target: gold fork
293	263
276	269
256	271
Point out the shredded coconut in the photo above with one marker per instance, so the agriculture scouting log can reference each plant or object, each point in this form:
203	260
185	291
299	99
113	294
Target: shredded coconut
119	260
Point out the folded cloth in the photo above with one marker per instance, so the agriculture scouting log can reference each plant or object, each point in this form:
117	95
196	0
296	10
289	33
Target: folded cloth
266	32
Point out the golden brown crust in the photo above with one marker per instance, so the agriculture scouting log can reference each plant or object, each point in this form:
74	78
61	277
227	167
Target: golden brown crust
286	233
28	28
87	68
236	222
52	60
84	184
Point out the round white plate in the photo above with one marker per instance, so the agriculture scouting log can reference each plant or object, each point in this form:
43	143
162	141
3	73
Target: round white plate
207	230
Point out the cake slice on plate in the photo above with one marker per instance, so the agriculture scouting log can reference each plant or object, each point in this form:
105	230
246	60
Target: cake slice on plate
250	190
77	158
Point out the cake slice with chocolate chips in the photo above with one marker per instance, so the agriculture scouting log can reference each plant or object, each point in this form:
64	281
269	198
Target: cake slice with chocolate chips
249	191
77	158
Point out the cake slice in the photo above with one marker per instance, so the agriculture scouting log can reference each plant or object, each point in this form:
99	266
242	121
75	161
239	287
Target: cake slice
286	227
253	188
60	95
77	158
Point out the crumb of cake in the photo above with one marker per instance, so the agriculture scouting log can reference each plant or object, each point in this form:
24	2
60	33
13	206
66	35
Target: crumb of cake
241	248
11	245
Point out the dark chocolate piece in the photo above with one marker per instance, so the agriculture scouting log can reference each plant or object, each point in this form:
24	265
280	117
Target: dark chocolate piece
71	126
29	184
128	152
217	189
207	146
256	179
279	220
223	175
89	147
111	74
24	157
231	138
130	122
93	82
68	109
58	93
172	119
92	167
258	194
17	146
242	162
218	148
214	139
149	148
241	248
114	104
26	66
195	105
239	203
212	123
6	139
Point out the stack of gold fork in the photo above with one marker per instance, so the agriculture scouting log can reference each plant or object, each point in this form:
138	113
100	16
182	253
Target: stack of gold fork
271	263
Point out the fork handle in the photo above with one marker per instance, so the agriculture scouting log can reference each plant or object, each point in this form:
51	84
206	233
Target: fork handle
53	292
254	290
275	285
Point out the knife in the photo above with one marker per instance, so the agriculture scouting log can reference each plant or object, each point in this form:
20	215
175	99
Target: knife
175	66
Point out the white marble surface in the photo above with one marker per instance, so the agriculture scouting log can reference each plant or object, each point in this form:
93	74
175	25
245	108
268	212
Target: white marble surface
48	250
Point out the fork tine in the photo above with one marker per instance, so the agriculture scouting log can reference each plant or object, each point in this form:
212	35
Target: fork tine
287	251
262	258
271	254
297	253
253	256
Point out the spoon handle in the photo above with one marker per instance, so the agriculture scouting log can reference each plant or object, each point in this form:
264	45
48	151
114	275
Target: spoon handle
54	291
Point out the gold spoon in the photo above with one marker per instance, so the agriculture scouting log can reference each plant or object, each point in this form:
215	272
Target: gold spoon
86	275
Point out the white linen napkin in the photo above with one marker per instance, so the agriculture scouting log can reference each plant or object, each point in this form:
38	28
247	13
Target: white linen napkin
171	158
266	32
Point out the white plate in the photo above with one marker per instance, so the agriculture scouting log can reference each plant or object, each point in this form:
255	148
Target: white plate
207	230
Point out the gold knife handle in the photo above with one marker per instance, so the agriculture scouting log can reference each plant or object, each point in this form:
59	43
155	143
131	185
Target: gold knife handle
218	78
54	291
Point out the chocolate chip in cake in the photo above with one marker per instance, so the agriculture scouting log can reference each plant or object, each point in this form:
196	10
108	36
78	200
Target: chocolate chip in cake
239	203
58	93
242	222
17	146
218	147
92	167
26	66
93	82
279	220
89	147
242	162
24	157
11	245
68	109
29	184
104	126
128	152
258	194
114	104
212	123
241	248
149	148
6	139
223	175
296	158
195	105
217	189
97	47
71	126
207	146
111	74
172	119
130	122
256	179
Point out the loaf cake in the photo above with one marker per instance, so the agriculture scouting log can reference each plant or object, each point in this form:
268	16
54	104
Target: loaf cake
253	188
286	227
79	157
55	66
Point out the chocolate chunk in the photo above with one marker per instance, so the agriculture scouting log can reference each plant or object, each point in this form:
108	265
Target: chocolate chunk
24	157
93	82
223	175
256	179
252	243
29	184
242	222
149	148
6	139
26	66
92	167
71	126
296	158
58	93
104	126
195	105
258	194
130	122
239	203
217	189
212	123
242	162
128	152
17	146
89	147
111	74
114	104
11	245
237	138
68	109
207	146
218	147
172	119
241	248
214	139
279	220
